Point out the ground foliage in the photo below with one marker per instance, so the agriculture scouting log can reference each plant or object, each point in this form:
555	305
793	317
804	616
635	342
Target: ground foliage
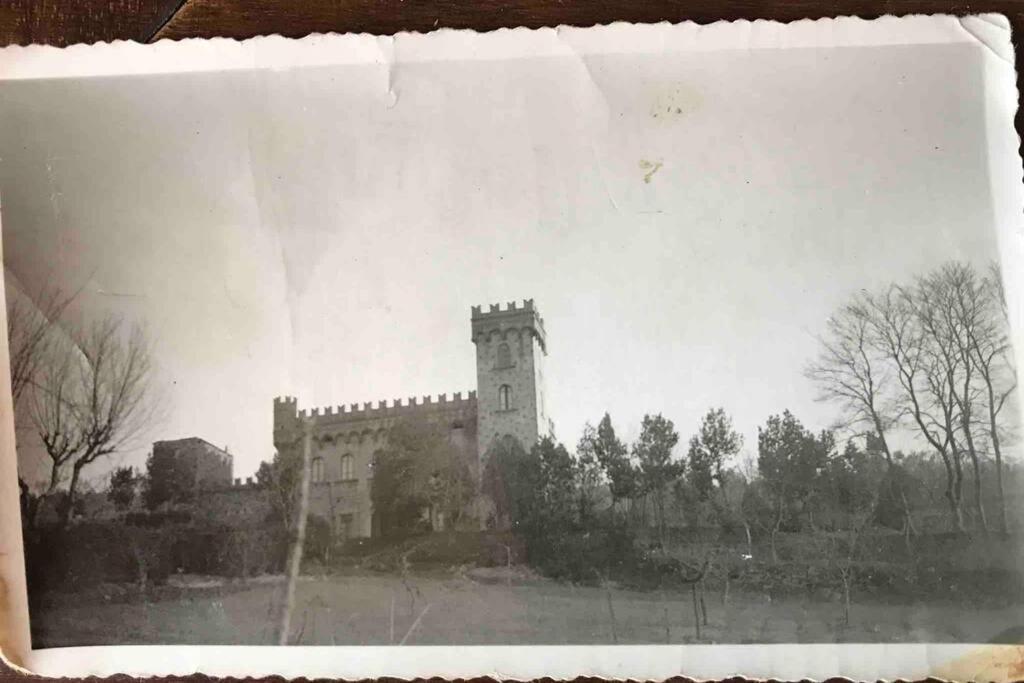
815	518
539	493
146	549
419	480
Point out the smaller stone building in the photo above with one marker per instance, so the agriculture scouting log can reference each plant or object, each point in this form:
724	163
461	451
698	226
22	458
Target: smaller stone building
197	464
204	471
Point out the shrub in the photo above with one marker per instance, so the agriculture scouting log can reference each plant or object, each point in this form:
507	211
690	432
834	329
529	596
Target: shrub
112	551
605	550
318	538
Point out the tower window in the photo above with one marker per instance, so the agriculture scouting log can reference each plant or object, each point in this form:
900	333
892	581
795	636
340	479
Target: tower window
504	357
318	470
346	467
504	397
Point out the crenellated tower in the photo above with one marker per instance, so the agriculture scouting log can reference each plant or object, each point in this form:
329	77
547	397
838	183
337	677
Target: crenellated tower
286	421
510	349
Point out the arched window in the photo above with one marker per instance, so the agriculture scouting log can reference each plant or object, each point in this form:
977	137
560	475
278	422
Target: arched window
504	397
504	357
318	469
346	467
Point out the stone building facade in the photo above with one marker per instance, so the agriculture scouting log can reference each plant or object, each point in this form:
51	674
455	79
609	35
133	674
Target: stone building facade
200	465
240	505
205	470
510	349
509	401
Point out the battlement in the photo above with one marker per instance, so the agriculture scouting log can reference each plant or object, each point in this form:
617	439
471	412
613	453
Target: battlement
381	409
496	309
236	485
512	316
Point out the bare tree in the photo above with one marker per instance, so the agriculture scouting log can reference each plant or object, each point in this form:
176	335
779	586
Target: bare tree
54	414
735	485
945	338
952	309
29	325
925	381
993	357
693	575
92	399
849	371
844	555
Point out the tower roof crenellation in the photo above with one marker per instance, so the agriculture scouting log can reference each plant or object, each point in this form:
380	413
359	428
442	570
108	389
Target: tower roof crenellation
511	316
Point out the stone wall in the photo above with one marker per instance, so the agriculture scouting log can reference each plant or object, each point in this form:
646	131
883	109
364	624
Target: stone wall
239	506
346	440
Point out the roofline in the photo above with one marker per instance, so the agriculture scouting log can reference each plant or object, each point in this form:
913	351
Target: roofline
194	438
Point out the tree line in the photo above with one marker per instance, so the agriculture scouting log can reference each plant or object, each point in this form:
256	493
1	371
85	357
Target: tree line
933	356
929	358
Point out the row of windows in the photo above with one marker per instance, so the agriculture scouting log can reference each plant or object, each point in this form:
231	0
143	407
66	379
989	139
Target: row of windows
348	462
347	468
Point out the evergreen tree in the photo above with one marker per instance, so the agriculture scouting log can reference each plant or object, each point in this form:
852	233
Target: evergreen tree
613	457
792	461
658	469
710	447
121	489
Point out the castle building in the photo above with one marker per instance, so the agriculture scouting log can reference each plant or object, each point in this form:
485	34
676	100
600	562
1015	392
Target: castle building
508	402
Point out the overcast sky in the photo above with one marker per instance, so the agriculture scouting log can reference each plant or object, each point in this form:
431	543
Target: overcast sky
685	225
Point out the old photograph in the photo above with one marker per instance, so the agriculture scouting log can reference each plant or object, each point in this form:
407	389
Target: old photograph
652	345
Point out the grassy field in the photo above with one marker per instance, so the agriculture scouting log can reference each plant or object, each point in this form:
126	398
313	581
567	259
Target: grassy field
363	608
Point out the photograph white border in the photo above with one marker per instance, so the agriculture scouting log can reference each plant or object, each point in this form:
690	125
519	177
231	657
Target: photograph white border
794	661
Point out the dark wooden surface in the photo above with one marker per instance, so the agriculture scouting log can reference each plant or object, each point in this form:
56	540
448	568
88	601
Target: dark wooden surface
67	22
63	22
213	17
